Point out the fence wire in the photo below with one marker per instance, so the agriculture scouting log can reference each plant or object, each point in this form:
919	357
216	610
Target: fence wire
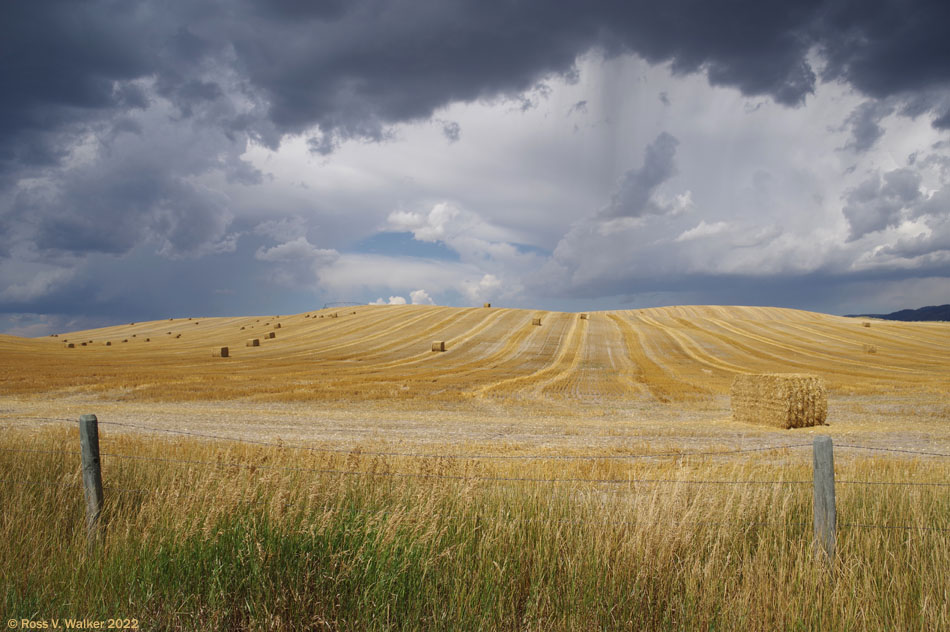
475	457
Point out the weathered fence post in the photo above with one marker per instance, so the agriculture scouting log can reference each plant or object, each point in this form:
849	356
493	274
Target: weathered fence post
825	514
91	475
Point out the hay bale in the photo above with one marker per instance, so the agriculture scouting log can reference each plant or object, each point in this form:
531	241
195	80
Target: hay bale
253	342
270	335
70	345
486	305
82	344
870	349
134	335
148	340
277	326
126	340
108	343
178	336
866	324
334	315
536	322
783	400
242	328
438	345
219	352
583	316
321	315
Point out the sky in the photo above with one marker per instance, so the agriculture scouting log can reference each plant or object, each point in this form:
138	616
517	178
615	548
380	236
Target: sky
174	158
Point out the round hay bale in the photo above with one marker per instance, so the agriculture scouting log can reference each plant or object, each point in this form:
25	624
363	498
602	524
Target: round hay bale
486	305
866	324
219	352
270	335
71	345
108	343
277	326
253	342
438	345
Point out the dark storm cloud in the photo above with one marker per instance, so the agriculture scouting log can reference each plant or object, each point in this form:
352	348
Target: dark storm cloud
352	68
864	123
635	195
880	202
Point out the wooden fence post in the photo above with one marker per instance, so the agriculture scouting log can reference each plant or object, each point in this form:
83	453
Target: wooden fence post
825	514
91	475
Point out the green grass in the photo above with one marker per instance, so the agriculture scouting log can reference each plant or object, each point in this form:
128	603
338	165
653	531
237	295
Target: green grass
233	549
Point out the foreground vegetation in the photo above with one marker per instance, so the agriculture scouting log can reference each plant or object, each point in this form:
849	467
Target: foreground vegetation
194	546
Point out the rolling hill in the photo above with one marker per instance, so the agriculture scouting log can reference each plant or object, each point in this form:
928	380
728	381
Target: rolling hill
383	354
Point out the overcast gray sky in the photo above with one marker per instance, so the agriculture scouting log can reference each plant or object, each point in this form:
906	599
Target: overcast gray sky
177	158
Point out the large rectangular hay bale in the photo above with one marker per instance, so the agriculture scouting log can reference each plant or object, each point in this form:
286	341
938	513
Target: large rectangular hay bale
253	342
583	316
219	352
438	345
536	321
783	400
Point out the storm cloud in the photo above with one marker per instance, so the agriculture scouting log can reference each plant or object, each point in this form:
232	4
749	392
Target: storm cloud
159	132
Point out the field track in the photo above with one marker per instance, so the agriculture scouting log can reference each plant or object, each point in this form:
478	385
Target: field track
492	355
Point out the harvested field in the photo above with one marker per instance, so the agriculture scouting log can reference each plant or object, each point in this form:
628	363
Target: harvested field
622	370
605	445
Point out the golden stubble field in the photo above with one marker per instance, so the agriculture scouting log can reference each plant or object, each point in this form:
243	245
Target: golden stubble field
366	376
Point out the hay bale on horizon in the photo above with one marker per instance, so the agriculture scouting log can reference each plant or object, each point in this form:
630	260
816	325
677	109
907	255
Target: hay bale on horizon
219	352
487	305
270	335
438	345
783	400
583	316
253	342
536	322
334	315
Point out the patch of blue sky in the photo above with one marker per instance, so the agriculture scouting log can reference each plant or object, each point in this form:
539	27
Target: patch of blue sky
399	244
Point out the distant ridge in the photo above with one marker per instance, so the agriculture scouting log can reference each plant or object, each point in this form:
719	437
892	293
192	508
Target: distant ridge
931	312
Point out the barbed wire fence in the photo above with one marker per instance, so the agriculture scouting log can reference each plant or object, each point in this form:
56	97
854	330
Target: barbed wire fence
630	482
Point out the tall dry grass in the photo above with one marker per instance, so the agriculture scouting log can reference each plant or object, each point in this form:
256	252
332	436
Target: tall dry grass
190	545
